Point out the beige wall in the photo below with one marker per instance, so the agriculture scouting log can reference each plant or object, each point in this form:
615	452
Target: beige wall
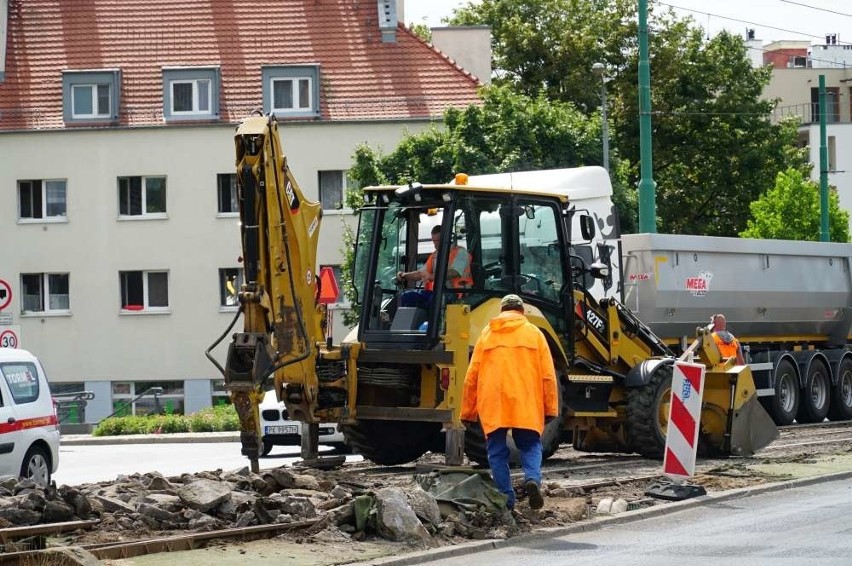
96	341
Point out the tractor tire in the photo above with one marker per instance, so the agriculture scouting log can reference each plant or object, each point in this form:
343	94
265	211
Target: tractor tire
391	443
840	408
647	413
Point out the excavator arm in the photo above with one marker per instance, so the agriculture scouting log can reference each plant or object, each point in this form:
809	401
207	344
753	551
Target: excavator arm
283	320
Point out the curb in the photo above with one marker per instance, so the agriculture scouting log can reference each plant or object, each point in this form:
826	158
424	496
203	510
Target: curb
204	437
426	556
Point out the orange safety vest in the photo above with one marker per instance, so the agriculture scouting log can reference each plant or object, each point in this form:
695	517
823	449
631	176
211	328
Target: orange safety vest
464	280
727	349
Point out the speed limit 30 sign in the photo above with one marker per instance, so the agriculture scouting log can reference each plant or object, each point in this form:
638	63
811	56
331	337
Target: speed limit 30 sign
10	336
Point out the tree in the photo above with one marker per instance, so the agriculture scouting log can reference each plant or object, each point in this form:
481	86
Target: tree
791	211
714	147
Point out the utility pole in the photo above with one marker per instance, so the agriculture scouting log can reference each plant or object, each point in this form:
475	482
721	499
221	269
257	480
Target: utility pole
647	186
600	69
824	235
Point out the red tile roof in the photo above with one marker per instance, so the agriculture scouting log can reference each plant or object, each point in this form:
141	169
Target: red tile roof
361	78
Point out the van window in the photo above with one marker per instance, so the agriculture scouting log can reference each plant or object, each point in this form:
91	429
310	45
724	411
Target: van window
22	378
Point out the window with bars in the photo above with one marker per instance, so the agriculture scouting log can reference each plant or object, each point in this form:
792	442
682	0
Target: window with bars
142	196
45	293
40	199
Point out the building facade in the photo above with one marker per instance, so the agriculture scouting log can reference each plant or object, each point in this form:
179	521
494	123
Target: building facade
117	169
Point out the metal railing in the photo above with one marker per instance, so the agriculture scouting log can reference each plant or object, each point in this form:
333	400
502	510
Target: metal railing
156	392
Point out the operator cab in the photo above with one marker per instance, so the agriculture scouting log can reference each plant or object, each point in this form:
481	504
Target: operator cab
512	242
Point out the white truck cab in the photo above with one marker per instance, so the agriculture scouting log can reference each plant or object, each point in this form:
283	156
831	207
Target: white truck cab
29	427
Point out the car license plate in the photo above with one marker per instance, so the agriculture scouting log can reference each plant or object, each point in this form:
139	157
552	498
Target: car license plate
326	430
285	429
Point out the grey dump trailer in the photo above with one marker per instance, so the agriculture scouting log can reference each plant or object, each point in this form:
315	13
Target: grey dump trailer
789	303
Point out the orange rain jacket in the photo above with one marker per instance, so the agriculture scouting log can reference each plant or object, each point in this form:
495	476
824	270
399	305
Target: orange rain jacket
511	381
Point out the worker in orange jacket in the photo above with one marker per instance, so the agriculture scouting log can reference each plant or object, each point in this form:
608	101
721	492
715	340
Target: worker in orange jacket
728	345
511	385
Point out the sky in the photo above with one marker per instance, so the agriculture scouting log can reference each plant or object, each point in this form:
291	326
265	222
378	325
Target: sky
772	20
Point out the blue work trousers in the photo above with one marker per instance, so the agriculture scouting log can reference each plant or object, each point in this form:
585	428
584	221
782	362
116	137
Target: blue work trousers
529	445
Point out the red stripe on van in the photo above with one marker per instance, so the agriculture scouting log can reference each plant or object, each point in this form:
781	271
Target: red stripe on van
24	424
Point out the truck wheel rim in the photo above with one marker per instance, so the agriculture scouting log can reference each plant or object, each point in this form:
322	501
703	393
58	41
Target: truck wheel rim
846	389
819	392
785	392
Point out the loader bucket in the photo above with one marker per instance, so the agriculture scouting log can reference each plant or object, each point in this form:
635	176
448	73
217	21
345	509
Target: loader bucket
751	428
748	427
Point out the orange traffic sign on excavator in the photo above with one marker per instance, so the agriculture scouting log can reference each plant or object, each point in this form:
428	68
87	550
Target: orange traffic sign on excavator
329	291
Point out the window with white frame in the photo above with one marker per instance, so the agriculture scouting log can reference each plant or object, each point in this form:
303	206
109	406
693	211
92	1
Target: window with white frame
44	293
90	101
42	199
231	279
90	96
291	94
144	290
142	196
190	93
332	185
191	97
291	90
227	193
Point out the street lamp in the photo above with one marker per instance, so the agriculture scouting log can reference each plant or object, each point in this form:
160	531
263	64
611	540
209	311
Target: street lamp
600	70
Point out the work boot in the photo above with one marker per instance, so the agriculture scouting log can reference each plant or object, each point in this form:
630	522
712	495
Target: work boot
534	493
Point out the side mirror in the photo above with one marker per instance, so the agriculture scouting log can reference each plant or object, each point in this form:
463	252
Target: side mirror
599	270
587	227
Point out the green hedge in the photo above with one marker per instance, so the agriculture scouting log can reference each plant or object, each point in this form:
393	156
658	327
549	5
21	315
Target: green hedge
212	419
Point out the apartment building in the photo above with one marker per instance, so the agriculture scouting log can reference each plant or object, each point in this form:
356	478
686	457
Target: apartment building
796	69
119	219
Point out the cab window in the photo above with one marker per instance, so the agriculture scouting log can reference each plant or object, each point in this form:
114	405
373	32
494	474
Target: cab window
22	379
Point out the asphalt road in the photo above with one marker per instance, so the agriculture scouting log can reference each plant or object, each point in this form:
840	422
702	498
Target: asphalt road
95	463
806	525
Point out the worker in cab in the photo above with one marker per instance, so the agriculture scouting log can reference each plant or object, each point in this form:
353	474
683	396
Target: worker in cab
458	273
728	345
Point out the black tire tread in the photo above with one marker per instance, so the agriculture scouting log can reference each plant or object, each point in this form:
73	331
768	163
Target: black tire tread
643	431
390	443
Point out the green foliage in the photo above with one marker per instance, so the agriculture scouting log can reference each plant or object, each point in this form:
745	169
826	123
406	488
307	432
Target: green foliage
422	31
219	418
791	211
714	147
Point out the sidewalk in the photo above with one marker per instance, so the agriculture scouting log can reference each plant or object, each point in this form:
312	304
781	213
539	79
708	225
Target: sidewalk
181	437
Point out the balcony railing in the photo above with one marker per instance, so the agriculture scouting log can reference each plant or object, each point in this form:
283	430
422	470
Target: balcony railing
808	113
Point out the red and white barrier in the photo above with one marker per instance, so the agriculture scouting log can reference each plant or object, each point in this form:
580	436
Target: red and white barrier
684	419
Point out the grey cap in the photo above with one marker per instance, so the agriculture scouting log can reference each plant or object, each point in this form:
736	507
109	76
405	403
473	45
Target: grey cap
511	302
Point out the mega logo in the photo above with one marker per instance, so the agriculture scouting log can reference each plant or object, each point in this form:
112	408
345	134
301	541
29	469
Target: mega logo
699	285
596	321
292	199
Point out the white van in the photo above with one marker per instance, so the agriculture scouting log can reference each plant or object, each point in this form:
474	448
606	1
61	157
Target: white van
29	427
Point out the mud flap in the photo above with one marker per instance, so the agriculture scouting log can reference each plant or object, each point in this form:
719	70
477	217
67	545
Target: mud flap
751	428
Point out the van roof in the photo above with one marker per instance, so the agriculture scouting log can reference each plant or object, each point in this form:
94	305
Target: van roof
15	355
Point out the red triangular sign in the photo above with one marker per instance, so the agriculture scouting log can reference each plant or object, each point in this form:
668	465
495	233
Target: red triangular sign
329	290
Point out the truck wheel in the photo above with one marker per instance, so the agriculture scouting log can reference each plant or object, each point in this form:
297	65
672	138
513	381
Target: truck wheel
390	443
36	465
815	395
840	407
784	404
648	413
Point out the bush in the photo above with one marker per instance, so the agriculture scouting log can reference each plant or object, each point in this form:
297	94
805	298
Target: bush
212	419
